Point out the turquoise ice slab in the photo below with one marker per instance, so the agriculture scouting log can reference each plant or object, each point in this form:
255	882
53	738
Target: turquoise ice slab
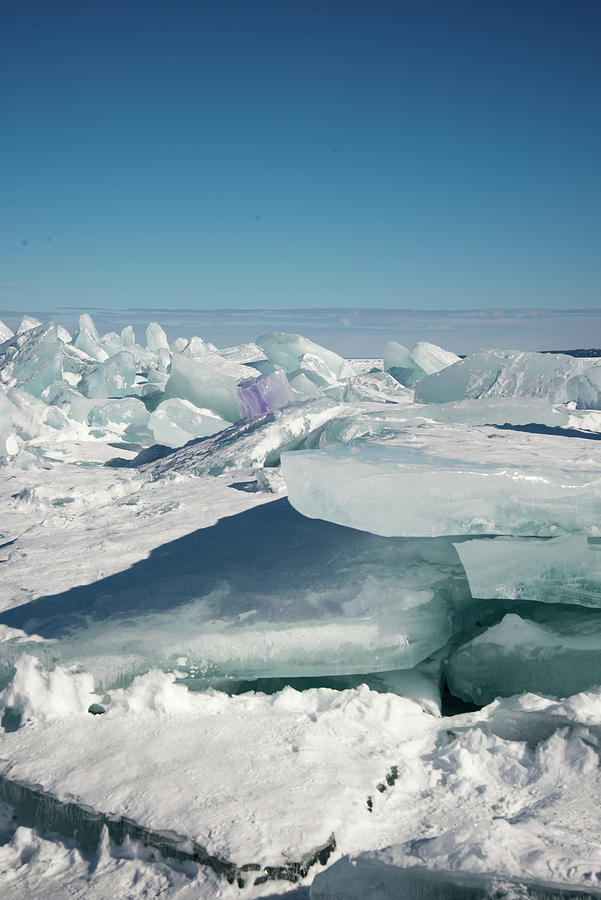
432	479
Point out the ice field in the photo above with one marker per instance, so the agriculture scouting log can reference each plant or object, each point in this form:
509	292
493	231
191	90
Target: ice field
278	623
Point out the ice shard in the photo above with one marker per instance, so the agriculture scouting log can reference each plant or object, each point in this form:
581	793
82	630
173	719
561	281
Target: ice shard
86	323
32	358
5	332
287	351
428	479
431	358
128	336
264	394
27	323
112	378
91	345
156	338
175	422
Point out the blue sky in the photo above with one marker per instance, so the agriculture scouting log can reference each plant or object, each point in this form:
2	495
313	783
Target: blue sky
240	154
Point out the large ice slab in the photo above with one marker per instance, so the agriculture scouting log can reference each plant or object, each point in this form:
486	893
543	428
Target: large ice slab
428	480
557	655
264	394
566	569
503	373
336	601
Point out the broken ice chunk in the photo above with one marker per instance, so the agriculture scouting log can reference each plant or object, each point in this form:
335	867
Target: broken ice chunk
305	389
156	338
557	655
175	422
264	394
86	341
5	332
63	334
32	359
401	365
86	323
113	378
197	347
585	389
565	569
371	387
27	323
428	480
117	415
502	373
209	382
432	358
286	351
128	336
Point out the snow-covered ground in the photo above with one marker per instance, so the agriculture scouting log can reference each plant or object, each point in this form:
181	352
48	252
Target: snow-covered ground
265	687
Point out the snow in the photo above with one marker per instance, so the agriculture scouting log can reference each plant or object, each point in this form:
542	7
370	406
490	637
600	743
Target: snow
269	680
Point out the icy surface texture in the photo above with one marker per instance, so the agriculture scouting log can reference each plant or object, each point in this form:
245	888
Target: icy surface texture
429	480
557	655
294	354
264	394
503	373
561	570
208	382
175	422
113	378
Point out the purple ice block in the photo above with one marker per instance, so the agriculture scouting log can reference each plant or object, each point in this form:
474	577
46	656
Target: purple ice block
264	394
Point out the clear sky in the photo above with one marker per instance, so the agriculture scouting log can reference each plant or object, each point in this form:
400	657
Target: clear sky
250	153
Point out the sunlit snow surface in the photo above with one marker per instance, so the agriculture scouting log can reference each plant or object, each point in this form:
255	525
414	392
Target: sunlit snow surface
147	544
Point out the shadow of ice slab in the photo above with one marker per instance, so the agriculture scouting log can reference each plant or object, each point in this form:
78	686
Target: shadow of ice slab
265	593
